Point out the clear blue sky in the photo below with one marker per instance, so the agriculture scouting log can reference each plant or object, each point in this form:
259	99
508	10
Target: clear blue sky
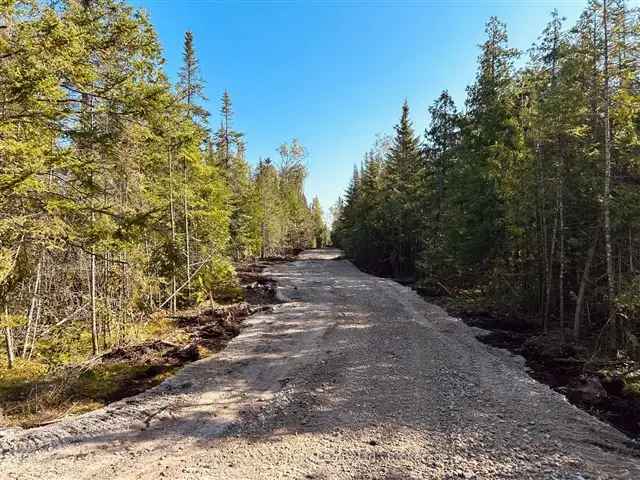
334	73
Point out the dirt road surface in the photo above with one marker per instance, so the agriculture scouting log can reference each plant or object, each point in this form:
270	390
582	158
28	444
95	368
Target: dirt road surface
354	377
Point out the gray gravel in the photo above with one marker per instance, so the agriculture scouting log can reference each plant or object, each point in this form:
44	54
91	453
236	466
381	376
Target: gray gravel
355	377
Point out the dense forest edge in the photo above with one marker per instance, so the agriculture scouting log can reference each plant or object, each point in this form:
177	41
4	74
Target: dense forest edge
521	212
123	204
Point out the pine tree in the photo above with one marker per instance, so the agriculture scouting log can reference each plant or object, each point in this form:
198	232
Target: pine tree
489	139
530	198
97	153
270	213
191	88
403	174
190	83
442	141
226	113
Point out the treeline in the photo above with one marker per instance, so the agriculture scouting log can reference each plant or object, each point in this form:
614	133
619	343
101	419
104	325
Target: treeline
530	195
116	198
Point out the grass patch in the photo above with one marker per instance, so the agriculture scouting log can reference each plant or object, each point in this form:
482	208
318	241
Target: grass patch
37	391
32	400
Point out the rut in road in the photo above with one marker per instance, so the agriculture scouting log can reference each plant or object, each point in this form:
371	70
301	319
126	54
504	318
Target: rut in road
354	377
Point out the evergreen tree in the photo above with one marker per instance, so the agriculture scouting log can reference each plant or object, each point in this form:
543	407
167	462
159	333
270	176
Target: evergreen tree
190	83
270	209
320	233
442	142
490	147
403	177
225	134
530	198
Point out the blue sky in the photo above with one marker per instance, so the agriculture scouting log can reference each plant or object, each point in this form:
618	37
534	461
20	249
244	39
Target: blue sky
335	73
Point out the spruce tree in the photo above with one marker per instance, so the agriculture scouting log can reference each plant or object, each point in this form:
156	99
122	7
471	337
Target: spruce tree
190	83
441	151
490	146
319	228
403	175
226	112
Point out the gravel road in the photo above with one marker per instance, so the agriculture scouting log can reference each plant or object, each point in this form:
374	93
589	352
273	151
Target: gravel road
354	377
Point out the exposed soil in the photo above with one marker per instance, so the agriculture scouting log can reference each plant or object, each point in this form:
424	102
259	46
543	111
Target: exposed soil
565	368
259	289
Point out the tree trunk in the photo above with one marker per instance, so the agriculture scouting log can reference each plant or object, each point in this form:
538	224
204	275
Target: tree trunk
87	127
561	299
106	300
607	183
174	304
577	318
35	329
562	261
551	253
631	269
11	359
544	236
186	229
94	316
32	307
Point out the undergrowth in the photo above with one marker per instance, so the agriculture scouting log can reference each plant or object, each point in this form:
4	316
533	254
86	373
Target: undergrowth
56	381
62	378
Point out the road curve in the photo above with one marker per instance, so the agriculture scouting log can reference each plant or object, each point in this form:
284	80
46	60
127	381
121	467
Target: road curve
354	377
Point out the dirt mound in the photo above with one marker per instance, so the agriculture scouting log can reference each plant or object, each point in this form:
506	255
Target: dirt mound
140	351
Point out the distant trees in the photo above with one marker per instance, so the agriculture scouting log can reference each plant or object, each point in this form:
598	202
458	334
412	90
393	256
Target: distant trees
531	194
319	228
115	198
292	172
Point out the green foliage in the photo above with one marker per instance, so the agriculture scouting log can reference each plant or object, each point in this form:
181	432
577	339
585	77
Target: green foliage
320	231
30	393
65	346
403	176
218	282
12	321
24	372
628	300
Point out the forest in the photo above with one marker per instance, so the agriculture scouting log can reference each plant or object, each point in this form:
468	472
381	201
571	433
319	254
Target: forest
526	200
120	194
173	303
